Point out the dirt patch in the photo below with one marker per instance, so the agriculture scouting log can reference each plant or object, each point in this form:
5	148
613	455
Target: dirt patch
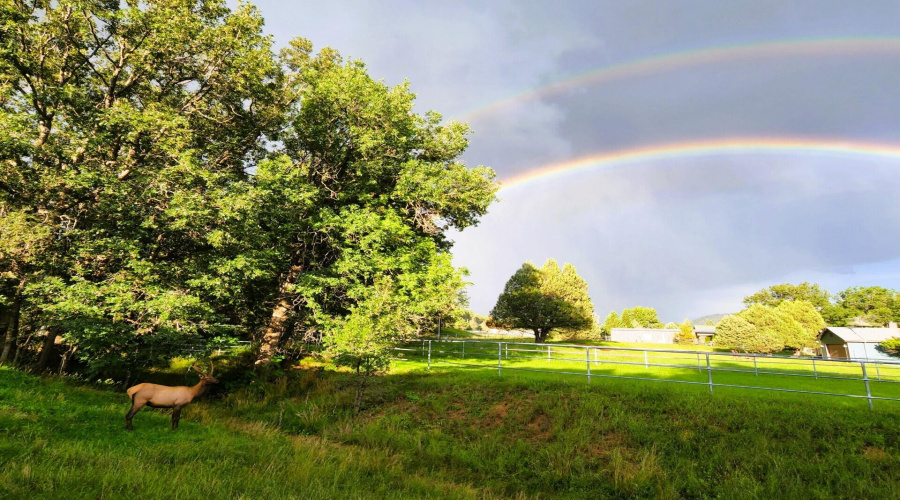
607	443
539	428
874	454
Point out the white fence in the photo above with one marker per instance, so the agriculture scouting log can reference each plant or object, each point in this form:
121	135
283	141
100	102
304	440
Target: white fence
595	361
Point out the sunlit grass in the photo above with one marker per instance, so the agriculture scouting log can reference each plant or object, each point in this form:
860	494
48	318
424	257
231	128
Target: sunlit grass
449	432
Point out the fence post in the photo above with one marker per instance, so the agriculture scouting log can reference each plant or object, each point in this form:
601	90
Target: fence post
464	349
548	352
506	350
709	373
815	371
699	370
866	379
429	354
587	357
499	359
755	369
877	371
646	361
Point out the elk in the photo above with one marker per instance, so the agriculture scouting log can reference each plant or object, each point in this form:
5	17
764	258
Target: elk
164	396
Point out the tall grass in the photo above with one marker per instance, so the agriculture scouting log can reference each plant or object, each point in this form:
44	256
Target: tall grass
451	432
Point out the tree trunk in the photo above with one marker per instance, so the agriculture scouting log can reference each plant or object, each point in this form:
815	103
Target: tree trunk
12	324
271	339
540	335
274	333
47	348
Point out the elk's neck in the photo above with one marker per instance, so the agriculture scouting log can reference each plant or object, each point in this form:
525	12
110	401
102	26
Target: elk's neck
200	388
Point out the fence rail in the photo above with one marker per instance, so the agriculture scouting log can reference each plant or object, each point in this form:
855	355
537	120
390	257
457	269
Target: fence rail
596	361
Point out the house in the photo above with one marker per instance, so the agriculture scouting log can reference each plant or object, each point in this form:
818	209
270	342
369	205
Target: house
704	334
644	335
856	342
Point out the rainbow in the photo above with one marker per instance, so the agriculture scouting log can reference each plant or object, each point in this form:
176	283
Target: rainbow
680	60
709	148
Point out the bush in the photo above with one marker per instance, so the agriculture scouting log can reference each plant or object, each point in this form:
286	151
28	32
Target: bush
777	324
891	346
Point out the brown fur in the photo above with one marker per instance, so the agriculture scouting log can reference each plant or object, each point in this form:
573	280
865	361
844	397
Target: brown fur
164	396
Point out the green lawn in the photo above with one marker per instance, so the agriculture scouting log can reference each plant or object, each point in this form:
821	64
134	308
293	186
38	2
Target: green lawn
451	432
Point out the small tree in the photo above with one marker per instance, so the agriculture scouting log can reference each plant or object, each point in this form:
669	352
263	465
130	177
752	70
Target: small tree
686	333
736	332
363	340
612	321
641	317
543	300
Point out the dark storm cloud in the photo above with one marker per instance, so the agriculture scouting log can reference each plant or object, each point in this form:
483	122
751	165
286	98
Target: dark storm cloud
690	236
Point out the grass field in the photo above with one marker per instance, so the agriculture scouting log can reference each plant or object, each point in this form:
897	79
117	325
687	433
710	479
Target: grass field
611	360
451	432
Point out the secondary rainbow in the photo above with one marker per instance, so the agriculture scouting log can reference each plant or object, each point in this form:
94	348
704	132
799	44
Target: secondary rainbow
680	60
697	149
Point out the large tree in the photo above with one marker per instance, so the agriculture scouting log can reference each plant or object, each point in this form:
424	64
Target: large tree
776	294
124	125
543	300
362	188
166	178
864	306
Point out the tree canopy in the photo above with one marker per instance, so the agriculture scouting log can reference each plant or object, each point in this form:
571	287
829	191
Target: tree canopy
543	300
776	294
165	177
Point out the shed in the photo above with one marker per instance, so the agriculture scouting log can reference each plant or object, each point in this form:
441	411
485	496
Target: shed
704	333
644	335
856	342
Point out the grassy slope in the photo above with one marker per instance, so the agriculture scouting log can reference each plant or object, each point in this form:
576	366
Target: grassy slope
453	432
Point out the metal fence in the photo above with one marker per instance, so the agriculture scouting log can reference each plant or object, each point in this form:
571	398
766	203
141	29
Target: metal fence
596	361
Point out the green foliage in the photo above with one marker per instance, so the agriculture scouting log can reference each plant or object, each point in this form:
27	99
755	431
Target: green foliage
543	300
612	321
776	294
891	346
808	317
686	332
864	306
129	217
640	317
736	332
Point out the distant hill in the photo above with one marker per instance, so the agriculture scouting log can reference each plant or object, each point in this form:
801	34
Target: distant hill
714	317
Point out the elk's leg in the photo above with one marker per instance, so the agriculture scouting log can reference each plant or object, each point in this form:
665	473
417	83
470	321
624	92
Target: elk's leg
128	416
176	416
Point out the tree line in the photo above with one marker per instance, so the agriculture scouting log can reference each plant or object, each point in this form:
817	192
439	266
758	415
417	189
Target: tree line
167	177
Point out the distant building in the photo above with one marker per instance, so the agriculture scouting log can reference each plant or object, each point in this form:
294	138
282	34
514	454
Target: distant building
704	333
856	343
644	335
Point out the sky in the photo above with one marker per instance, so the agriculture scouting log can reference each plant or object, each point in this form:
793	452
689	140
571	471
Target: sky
681	155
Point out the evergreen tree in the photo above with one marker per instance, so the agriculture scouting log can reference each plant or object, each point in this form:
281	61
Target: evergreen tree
808	317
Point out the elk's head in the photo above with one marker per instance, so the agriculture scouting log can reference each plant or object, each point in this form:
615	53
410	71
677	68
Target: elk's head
206	377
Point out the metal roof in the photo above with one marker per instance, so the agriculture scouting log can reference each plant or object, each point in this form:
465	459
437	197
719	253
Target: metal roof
705	329
856	334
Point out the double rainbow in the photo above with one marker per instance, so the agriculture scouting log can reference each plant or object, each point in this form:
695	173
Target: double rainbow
680	60
709	148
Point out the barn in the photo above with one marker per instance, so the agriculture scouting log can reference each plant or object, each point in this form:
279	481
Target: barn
644	335
856	343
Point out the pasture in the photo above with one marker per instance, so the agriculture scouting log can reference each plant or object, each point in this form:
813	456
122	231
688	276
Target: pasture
448	432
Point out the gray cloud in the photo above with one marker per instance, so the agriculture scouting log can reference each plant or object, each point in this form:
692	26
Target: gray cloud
689	237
